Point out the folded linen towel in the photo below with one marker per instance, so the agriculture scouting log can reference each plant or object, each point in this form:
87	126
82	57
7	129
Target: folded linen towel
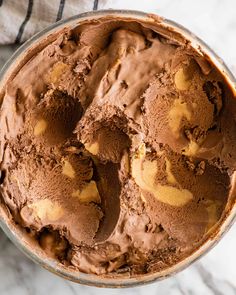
20	19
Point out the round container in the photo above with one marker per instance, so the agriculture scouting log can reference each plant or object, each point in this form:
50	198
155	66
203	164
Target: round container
15	234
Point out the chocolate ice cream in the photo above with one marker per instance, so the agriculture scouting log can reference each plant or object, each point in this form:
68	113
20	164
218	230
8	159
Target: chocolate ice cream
117	147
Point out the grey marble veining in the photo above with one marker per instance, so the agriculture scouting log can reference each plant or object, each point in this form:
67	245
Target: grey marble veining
215	273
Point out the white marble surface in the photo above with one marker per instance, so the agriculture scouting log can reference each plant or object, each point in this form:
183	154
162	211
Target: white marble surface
215	22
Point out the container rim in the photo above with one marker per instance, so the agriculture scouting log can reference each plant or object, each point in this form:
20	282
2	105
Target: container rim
117	282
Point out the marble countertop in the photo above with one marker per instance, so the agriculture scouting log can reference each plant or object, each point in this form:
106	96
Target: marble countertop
215	22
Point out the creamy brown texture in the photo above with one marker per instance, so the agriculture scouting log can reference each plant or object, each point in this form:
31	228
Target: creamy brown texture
117	148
